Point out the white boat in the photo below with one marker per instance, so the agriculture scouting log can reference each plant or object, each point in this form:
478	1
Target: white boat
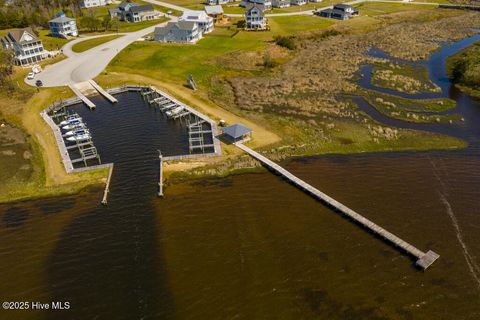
70	118
81	137
173	112
73	124
76	132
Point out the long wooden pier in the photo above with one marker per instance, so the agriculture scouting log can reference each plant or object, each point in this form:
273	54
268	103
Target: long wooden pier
160	177
104	93
107	185
424	260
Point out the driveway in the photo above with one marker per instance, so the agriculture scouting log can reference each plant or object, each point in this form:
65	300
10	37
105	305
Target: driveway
79	67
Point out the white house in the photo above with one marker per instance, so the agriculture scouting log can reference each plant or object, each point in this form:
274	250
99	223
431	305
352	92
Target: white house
94	3
254	17
181	31
205	22
63	27
26	47
281	3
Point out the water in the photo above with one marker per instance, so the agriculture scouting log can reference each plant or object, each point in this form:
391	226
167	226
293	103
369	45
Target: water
251	246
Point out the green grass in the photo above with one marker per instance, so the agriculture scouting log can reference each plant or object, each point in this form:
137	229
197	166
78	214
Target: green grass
412	110
288	25
88	44
373	9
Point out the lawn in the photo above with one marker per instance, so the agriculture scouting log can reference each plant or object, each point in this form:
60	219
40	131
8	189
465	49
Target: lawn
91	43
372	9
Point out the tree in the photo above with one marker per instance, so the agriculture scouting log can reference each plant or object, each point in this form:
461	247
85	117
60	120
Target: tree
106	22
6	68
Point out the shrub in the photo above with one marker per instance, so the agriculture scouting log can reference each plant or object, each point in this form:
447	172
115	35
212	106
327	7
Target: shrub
286	42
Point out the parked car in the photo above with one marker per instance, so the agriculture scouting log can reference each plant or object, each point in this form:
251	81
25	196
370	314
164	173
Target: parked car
30	76
39	83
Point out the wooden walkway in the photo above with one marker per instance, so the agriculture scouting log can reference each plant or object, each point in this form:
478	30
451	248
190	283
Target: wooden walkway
107	185
424	260
160	175
104	93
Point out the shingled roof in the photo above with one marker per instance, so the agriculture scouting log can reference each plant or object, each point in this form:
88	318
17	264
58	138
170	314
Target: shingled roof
236	131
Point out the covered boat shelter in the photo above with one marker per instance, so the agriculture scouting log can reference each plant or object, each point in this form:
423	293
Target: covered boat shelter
237	132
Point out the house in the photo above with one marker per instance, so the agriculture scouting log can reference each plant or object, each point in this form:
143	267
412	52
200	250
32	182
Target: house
339	11
63	27
255	17
216	12
93	3
315	1
133	12
281	3
348	9
237	133
25	46
205	23
216	2
298	2
181	31
267	4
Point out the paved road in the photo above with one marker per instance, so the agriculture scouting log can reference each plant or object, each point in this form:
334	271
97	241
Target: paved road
79	67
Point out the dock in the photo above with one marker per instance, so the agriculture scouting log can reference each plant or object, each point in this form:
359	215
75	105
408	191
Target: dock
82	97
104	93
160	176
424	260
107	185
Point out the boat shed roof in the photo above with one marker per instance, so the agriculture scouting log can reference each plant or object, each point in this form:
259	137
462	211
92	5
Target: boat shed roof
236	130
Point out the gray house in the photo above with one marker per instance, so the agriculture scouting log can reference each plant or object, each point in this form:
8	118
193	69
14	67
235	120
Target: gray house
133	12
181	31
298	2
26	47
267	4
339	11
255	17
63	27
281	3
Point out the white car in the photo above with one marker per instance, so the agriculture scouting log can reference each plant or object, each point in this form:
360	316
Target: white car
30	76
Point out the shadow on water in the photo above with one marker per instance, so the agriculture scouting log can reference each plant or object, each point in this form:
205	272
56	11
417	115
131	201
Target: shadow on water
107	260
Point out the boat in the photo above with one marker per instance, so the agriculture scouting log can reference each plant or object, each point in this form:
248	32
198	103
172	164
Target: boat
74	124
70	118
77	131
80	137
173	112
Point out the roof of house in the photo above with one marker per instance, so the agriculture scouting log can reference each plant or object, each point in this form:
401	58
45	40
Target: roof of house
125	4
190	15
334	11
342	6
214	10
61	19
236	130
143	8
22	36
182	25
251	6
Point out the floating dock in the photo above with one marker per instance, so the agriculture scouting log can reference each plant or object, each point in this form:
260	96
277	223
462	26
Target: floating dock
79	94
424	260
104	93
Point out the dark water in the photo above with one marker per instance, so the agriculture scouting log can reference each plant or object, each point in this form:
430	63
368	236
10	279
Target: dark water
250	246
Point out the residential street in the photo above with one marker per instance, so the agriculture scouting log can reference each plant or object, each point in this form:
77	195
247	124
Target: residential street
79	67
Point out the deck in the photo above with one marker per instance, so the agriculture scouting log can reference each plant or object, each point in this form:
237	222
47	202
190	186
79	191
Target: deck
424	260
